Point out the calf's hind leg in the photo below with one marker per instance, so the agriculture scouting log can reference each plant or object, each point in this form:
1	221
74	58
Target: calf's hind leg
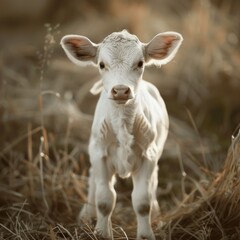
88	212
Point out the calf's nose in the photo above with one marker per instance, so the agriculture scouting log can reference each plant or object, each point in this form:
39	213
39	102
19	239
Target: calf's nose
121	92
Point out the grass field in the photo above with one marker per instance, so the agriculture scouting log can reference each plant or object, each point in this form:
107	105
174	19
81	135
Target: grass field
46	114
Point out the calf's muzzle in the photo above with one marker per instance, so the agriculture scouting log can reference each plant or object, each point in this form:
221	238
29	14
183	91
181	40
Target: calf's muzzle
121	93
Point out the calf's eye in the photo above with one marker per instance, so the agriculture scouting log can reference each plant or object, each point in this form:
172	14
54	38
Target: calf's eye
140	64
101	65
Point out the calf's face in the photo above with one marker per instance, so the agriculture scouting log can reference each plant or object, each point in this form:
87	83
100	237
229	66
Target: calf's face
121	59
121	64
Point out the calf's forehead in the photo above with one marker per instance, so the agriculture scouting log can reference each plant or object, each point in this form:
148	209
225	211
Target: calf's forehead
121	47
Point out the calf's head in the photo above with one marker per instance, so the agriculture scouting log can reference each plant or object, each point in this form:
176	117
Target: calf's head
121	59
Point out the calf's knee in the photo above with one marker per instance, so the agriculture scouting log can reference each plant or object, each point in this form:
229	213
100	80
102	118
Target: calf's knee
143	209
104	208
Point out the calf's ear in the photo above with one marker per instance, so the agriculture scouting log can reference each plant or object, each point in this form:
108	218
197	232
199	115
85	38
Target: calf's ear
97	87
162	48
79	49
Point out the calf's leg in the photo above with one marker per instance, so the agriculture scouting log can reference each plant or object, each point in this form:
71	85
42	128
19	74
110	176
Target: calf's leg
105	198
154	183
142	199
88	212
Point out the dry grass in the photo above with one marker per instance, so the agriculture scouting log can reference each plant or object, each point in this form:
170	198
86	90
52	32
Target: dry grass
210	211
46	114
41	196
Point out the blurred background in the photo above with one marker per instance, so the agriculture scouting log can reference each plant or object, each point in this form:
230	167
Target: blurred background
43	94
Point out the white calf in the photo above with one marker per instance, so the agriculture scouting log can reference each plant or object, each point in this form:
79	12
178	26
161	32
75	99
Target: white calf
130	124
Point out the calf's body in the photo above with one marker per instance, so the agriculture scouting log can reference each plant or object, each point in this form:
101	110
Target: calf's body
130	123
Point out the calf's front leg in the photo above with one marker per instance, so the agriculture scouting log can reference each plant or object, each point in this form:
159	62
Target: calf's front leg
105	198
143	199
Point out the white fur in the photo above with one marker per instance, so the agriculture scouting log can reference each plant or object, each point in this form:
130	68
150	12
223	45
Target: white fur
127	139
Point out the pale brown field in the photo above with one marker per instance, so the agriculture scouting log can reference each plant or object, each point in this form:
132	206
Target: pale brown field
46	113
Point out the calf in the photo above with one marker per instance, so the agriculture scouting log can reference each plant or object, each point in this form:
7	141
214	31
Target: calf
130	124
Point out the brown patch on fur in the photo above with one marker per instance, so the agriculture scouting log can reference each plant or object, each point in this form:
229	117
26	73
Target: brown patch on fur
104	208
144	209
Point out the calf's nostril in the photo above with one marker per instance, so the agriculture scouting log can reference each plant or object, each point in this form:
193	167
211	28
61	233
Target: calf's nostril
114	92
127	91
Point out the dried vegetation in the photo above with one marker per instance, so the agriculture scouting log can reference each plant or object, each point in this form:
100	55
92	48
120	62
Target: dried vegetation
46	114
